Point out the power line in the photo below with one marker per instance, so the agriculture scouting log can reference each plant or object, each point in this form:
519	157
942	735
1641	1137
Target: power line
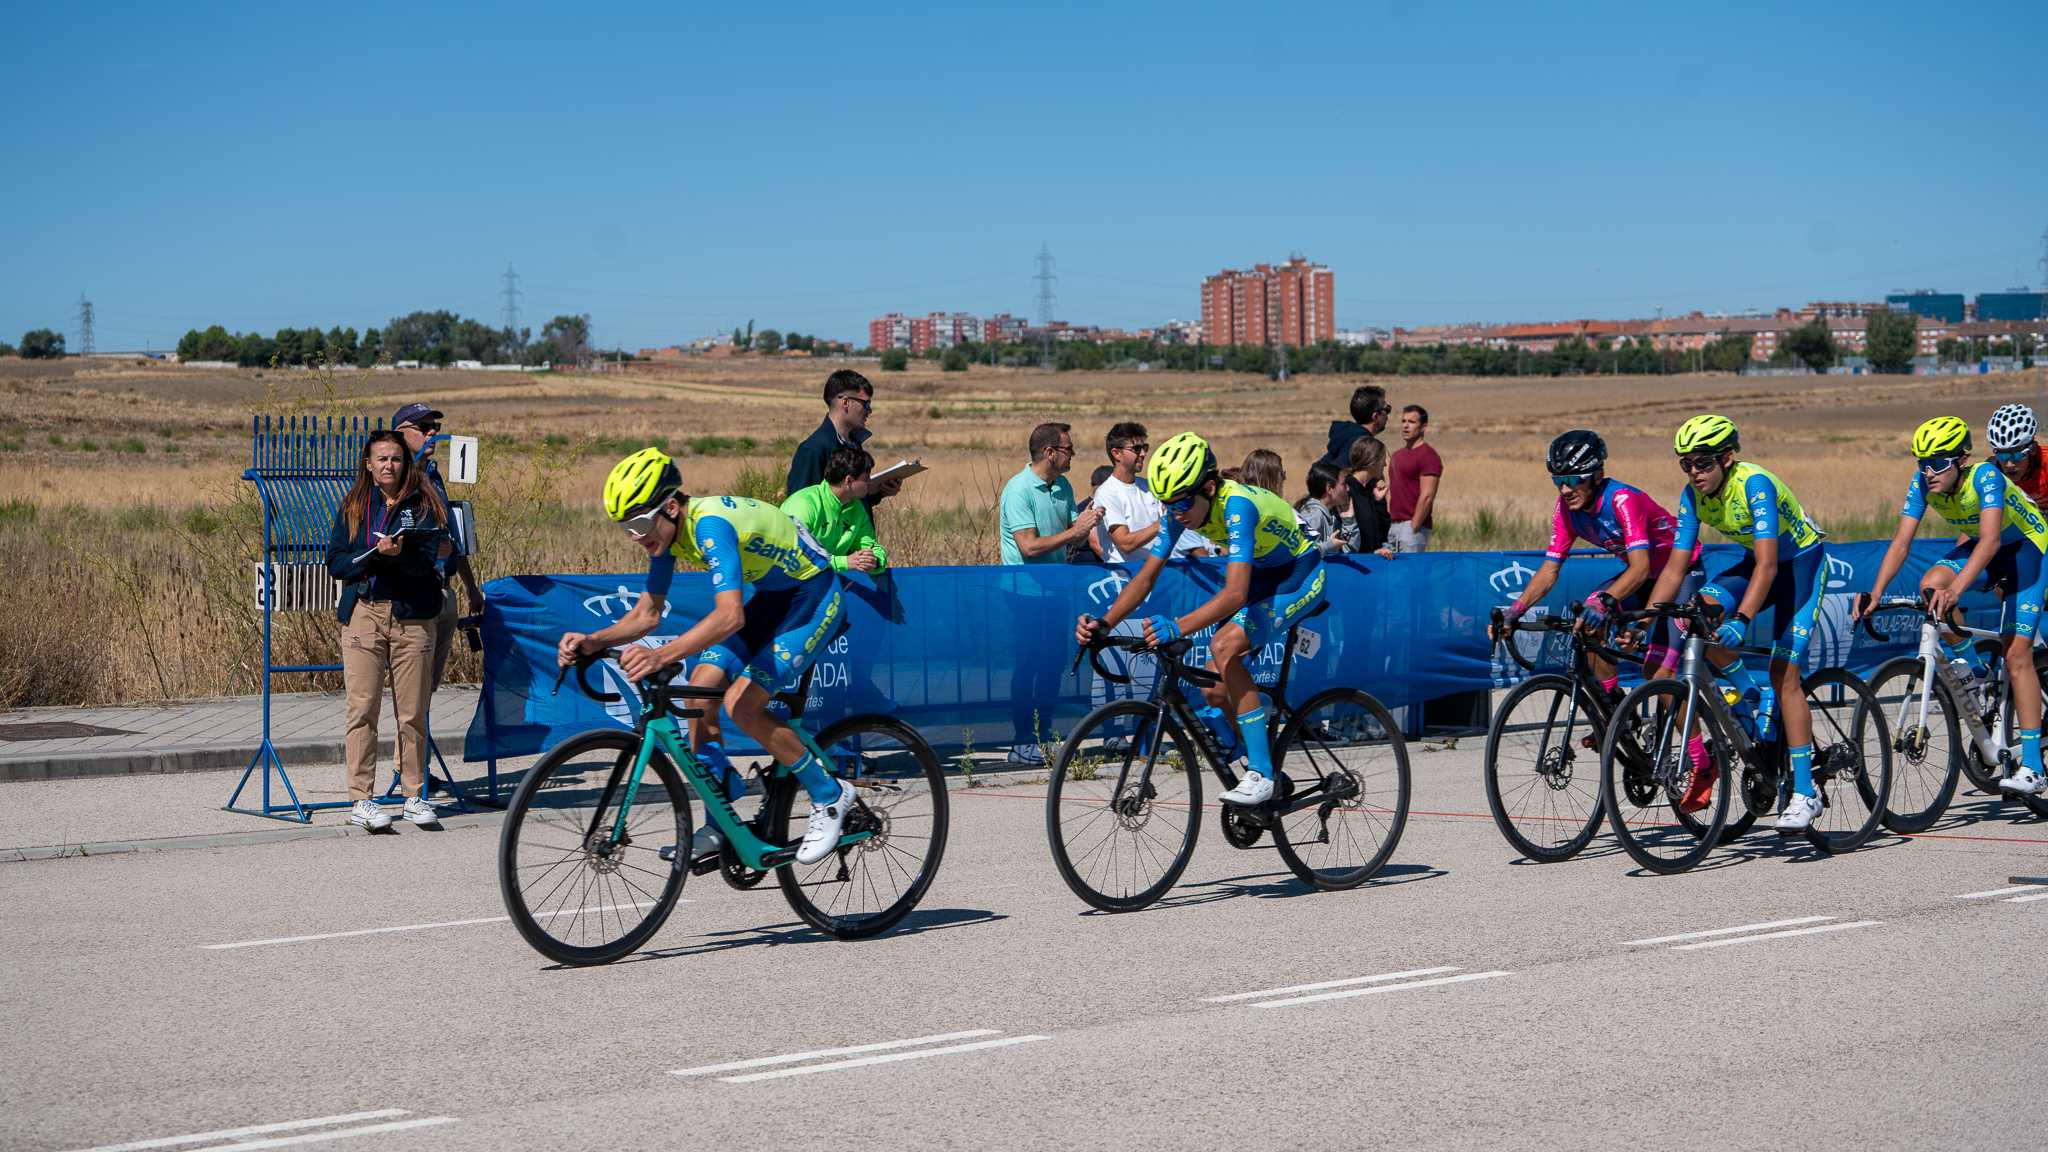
1046	279
84	325
511	296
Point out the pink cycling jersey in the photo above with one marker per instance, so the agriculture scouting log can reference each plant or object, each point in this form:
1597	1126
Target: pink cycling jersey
1622	519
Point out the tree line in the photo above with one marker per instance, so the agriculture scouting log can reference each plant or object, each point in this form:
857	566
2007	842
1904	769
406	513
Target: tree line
439	338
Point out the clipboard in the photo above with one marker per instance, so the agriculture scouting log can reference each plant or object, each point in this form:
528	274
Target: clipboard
901	470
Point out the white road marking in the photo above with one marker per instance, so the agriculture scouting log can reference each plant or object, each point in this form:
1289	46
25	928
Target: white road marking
1326	984
794	1057
1777	935
322	1137
887	1058
1726	931
1378	988
234	1134
1999	891
2026	899
419	927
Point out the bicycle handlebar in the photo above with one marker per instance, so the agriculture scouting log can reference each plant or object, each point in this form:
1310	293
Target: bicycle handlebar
1169	653
1895	604
660	680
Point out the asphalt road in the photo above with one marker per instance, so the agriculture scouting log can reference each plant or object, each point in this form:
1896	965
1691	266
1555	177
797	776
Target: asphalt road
374	994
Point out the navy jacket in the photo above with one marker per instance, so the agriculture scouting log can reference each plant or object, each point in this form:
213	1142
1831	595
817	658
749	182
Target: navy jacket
807	467
410	580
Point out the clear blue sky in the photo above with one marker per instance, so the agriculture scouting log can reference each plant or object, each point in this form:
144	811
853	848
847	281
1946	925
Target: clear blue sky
674	169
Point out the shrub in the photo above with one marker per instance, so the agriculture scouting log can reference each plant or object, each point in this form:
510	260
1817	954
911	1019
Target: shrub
895	360
132	445
955	361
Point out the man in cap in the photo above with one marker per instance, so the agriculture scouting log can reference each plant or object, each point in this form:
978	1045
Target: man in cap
418	423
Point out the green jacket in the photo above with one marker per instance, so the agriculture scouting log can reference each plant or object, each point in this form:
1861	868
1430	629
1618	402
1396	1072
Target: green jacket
843	529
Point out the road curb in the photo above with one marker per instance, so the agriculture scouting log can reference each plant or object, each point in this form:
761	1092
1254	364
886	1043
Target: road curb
190	758
233	839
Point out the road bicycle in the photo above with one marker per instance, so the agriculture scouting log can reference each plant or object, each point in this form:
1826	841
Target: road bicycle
1930	708
1851	756
1124	801
1543	745
589	863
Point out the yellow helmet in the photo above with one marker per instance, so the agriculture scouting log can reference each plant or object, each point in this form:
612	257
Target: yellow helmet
1705	434
645	477
1941	436
1179	466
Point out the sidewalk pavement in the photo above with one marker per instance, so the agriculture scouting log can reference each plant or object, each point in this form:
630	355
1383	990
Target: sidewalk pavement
201	735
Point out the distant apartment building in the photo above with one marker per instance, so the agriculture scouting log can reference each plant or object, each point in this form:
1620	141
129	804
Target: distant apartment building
1293	304
1181	332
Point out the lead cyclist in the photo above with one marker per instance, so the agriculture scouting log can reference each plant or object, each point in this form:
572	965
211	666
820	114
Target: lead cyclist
1273	578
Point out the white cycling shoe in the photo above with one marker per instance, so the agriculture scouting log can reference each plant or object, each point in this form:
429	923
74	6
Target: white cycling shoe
1252	790
2024	781
821	835
1799	813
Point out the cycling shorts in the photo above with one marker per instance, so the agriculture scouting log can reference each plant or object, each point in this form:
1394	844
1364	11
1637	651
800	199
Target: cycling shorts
1279	597
786	629
1790	612
2016	573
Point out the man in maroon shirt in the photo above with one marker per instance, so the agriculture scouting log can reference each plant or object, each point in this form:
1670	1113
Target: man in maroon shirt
1412	477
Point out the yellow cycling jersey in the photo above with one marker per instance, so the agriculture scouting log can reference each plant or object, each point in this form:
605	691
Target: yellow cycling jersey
1983	486
1751	503
746	541
1251	525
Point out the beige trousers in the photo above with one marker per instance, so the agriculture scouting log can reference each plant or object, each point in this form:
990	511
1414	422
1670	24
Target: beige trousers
371	641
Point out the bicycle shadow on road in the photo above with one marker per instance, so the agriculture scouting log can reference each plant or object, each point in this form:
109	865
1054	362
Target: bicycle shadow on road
1763	845
1985	813
917	923
1281	885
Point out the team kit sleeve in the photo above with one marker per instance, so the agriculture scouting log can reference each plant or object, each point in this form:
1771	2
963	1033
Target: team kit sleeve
1560	533
1763	507
1169	532
661	573
1687	536
1241	521
1990	488
1916	499
720	545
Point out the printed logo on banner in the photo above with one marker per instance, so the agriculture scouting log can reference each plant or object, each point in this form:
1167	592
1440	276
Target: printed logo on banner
1508	582
624	597
1107	589
1834	635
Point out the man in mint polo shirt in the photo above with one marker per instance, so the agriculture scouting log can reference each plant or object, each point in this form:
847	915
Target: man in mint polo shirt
1037	524
1038	520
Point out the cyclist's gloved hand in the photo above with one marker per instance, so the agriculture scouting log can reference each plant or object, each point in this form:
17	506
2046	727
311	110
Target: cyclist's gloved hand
1598	605
1732	631
1161	630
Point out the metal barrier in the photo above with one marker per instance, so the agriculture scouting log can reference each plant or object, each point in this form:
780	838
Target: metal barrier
302	466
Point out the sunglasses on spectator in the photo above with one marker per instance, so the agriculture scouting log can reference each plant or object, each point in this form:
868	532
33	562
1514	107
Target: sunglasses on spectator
1696	464
2014	455
1936	465
1140	449
866	405
1574	479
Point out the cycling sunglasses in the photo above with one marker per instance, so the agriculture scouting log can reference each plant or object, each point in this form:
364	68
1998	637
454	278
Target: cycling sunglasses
1180	507
2014	455
1697	464
638	527
1936	465
1570	479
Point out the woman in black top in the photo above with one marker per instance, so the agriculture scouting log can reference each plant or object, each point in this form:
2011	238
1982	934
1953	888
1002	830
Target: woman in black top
388	533
1368	461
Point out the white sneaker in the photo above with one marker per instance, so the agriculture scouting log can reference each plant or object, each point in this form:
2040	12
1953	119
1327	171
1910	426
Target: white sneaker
419	812
1251	791
366	814
821	835
1799	813
2024	781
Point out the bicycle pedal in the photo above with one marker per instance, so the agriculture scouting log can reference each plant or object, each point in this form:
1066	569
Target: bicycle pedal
705	864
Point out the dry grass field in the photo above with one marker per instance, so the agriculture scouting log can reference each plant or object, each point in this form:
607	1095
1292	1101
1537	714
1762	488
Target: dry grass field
126	533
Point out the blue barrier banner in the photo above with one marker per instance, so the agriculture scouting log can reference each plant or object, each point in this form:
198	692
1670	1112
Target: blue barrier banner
983	656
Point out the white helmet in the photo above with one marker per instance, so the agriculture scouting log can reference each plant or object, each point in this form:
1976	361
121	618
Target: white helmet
2012	426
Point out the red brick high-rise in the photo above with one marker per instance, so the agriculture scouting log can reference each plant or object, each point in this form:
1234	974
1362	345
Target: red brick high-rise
1293	304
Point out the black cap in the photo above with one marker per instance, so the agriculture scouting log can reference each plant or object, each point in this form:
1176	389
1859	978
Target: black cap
412	414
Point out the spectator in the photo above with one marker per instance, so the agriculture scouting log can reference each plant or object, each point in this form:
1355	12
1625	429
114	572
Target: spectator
1038	514
1130	516
383	549
1088	549
1369	412
1412	482
418	424
1263	468
849	399
1368	496
1326	509
834	512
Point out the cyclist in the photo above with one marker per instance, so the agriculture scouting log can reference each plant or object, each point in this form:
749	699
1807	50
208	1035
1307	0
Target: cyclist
749	645
1624	521
1274	575
2011	433
2010	535
1785	571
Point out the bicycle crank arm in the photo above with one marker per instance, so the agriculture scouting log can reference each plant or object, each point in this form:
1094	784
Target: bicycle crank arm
777	857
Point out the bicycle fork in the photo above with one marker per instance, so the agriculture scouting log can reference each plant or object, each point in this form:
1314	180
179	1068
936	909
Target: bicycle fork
1989	747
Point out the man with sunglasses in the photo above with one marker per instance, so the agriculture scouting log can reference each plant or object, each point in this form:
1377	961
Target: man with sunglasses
419	423
1784	572
750	646
1274	576
2010	535
849	401
2011	433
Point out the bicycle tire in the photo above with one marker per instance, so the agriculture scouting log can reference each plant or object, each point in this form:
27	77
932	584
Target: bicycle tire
1074	809
1846	739
547	787
1920	792
886	865
1643	828
1330	742
1555	834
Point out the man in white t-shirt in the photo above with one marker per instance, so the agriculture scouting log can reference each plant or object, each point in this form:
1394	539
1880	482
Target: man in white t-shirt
1130	516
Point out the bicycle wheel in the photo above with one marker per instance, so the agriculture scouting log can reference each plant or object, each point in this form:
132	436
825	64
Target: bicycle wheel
1658	715
1541	769
1343	749
1119	838
1927	744
900	795
576	896
1852	759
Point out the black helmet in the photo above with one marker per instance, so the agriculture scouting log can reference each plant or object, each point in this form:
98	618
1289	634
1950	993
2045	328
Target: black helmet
1576	452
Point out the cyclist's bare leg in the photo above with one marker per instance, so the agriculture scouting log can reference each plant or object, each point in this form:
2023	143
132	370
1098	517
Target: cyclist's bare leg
1940	577
1237	694
747	703
706	727
2026	682
1792	708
